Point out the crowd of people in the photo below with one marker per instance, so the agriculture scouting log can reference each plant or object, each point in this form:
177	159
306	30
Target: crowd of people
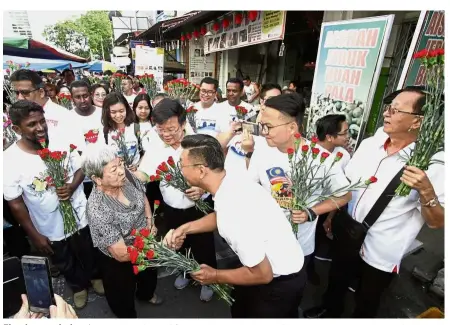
238	172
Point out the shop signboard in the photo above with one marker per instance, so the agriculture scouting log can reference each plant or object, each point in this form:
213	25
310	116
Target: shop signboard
200	64
348	64
267	26
151	61
429	35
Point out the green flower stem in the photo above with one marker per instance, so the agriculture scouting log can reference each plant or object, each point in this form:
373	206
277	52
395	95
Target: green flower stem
69	220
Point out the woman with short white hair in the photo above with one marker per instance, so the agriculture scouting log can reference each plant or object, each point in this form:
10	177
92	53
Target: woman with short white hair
117	205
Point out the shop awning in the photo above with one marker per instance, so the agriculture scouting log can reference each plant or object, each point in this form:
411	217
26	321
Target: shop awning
43	64
22	47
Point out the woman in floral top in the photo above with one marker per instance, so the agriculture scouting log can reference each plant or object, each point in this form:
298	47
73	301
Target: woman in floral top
116	206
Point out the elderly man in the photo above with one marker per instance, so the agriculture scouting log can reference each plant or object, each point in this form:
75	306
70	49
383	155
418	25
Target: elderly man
400	221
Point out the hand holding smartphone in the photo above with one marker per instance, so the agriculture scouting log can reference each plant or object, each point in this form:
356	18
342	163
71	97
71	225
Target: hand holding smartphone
252	128
38	283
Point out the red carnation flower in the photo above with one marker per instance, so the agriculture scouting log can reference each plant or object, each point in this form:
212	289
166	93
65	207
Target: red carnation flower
150	254
135	269
164	167
325	155
373	179
168	177
314	140
134	255
129	249
133	232
290	151
152	178
145	232
305	148
297	135
340	155
171	162
72	147
157	203
315	151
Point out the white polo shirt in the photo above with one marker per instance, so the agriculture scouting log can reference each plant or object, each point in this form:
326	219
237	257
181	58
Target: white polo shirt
401	221
270	167
24	175
149	164
232	109
212	120
255	226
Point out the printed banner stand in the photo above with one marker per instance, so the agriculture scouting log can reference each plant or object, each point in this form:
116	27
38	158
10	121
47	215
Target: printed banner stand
349	60
200	64
151	61
429	34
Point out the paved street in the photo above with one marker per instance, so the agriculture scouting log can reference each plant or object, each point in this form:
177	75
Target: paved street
406	298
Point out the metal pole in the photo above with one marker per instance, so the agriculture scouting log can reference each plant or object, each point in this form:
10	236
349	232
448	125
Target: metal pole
103	51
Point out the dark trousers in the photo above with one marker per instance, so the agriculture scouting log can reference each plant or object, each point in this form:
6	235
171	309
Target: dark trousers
122	286
16	243
371	285
322	242
202	245
278	299
76	259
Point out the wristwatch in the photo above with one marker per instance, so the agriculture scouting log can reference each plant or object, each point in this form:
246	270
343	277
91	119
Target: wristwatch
432	203
249	154
311	215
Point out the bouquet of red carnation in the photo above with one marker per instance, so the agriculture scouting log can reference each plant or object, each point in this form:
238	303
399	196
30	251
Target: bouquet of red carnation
182	90
57	175
148	252
150	85
305	181
119	138
432	130
118	77
190	115
170	175
241	112
65	100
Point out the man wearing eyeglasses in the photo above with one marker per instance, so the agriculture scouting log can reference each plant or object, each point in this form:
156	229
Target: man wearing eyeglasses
210	118
401	220
29	86
170	119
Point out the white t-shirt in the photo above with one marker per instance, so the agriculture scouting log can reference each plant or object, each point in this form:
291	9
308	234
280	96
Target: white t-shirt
130	99
254	226
232	110
147	134
249	91
130	140
24	174
149	164
397	227
269	166
235	158
89	129
345	156
60	127
212	120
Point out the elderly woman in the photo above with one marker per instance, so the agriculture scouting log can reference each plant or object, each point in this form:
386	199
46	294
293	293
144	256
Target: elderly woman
116	206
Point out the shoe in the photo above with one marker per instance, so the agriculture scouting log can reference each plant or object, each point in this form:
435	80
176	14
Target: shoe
315	312
80	299
97	285
206	294
181	282
156	300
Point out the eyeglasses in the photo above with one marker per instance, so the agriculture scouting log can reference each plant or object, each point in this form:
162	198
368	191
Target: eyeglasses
345	133
168	132
265	129
99	95
180	167
24	92
207	92
393	111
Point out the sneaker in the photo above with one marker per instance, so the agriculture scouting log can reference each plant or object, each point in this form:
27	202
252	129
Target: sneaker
97	285
181	282
206	294
80	299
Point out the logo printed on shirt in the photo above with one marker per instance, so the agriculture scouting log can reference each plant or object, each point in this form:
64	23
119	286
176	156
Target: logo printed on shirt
204	124
237	149
39	185
54	122
280	187
91	136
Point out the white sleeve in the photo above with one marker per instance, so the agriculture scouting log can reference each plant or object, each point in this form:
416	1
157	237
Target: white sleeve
11	183
436	174
338	180
253	167
149	163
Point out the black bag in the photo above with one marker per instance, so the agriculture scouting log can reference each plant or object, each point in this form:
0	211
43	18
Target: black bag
349	234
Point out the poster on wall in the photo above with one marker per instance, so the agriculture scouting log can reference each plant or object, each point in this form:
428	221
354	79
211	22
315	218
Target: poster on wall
429	35
348	64
267	26
151	61
201	65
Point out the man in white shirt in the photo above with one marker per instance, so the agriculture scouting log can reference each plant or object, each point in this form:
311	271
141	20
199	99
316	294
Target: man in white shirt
35	204
127	90
400	222
234	93
270	283
251	90
29	86
332	135
210	118
86	122
267	91
170	119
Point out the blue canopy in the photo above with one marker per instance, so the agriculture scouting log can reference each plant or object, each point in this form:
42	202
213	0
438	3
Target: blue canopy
43	64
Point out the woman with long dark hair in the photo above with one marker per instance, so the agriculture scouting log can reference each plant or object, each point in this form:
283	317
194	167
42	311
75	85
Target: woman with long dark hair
118	118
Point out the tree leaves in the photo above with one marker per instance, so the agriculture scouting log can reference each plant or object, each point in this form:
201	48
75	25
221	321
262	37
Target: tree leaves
83	35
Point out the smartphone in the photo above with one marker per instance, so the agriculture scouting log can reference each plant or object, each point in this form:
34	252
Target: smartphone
13	286
38	283
252	128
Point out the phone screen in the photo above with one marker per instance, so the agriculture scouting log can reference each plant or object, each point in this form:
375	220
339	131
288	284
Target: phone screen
253	128
38	284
